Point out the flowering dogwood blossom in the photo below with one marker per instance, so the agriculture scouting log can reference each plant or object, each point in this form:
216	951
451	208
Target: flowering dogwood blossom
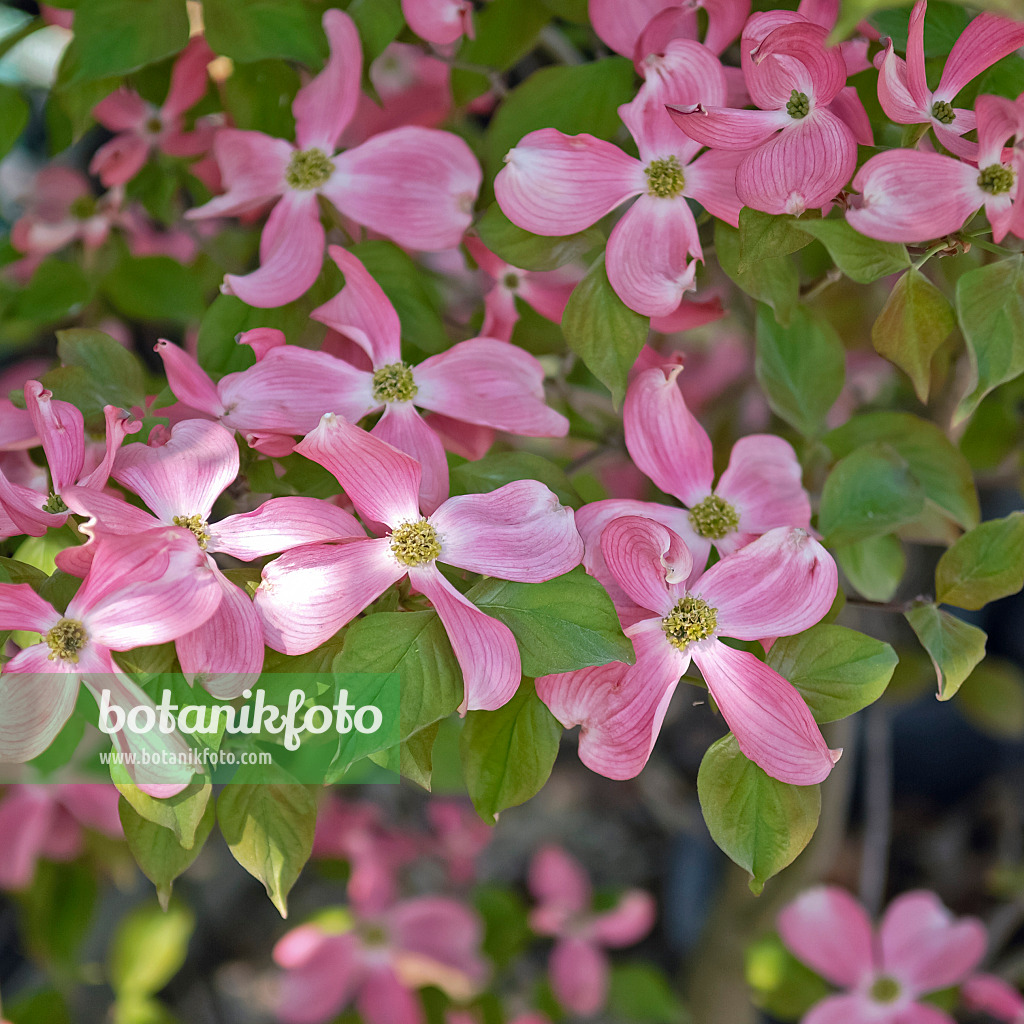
374	184
988	993
517	532
919	948
439	21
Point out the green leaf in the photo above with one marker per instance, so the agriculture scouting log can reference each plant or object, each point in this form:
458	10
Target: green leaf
837	670
954	646
937	465
641	993
915	320
603	331
874	565
565	624
494	471
259	97
155	288
781	985
378	21
114	38
46	1007
869	492
532	252
761	823
985	564
860	258
508	754
149	948
268	821
58	912
992	699
990	307
249	30
13	117
773	281
800	367
572	98
416	646
764	236
507	931
56	291
157	850
181	814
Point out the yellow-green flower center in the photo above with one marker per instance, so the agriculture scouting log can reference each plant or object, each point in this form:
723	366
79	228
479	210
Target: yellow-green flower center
308	169
83	207
415	543
394	383
65	640
996	178
943	111
511	281
154	125
665	178
885	990
55	504
714	517
690	621
798	105
197	524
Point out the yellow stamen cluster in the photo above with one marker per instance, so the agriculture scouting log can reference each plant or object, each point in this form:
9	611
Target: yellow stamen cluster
798	105
65	640
55	504
308	169
415	543
197	524
690	621
996	178
714	517
885	990
394	383
665	178
944	112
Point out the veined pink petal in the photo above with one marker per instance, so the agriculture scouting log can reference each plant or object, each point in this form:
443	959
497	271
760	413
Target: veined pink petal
924	947
648	560
122	111
780	584
23	506
469	440
262	340
252	166
382	482
792	56
897	196
517	532
485	648
22	608
323	974
112	514
547	292
118	426
667	25
280	524
844	1009
309	593
998	121
988	993
847	106
620	24
725	22
120	159
829	931
648	252
383	999
803	167
986	39
491	383
500	313
415	185
579	976
711	180
771	722
325	105
188	78
291	254
663	437
626	923
404	428
185	476
362	312
559	884
727	128
556	184
188	380
61	429
950	135
439	21
894	90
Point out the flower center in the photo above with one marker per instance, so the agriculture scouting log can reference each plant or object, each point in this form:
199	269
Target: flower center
996	178
714	517
197	524
394	383
154	126
943	111
885	990
798	105
511	281
65	640
691	620
308	169
665	178
55	504
415	543
83	207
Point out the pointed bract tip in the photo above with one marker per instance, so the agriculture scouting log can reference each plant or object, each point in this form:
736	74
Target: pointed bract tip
836	754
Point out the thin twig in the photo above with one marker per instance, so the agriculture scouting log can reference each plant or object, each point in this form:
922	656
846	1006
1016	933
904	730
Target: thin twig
874	865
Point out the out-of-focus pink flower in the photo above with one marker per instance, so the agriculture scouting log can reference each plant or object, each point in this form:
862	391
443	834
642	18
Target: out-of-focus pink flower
517	532
579	965
439	21
416	186
987	993
141	127
919	948
146	239
48	823
903	88
460	836
17	431
379	962
781	584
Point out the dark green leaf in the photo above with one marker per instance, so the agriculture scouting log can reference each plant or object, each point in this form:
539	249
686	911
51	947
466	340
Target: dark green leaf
764	236
58	912
954	646
56	291
641	993
874	565
13	117
182	814
259	96
985	564
378	21
860	258
992	699
774	282
532	252
155	288
494	471
249	30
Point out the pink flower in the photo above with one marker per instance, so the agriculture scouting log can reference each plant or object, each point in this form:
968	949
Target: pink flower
460	836
439	21
378	961
141	590
898	188
517	532
414	185
48	823
141	127
903	89
579	966
779	585
555	184
987	993
797	154
920	948
17	431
